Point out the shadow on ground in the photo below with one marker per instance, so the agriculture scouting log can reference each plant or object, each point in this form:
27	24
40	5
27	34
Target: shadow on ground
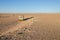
28	18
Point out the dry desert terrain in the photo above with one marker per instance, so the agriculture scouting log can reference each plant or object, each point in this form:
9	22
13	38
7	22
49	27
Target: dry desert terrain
40	27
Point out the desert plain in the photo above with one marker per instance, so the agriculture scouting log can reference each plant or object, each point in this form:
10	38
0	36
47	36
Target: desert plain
40	27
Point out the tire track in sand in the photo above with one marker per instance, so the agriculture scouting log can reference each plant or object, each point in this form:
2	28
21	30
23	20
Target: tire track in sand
20	24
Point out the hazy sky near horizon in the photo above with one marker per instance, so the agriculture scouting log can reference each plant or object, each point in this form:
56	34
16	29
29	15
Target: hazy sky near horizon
26	6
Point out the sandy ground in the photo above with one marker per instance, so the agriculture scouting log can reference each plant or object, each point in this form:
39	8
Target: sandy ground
40	27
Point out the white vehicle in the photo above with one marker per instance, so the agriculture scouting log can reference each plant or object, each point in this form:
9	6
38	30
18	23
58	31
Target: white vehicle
21	18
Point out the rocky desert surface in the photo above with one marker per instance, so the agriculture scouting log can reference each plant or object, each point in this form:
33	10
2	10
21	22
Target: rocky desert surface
40	27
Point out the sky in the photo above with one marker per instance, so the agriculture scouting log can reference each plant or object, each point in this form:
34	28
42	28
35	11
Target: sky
29	6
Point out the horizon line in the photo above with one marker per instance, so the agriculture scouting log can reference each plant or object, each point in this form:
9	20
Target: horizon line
28	12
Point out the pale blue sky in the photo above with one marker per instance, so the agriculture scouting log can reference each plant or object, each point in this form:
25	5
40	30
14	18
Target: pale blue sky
24	6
